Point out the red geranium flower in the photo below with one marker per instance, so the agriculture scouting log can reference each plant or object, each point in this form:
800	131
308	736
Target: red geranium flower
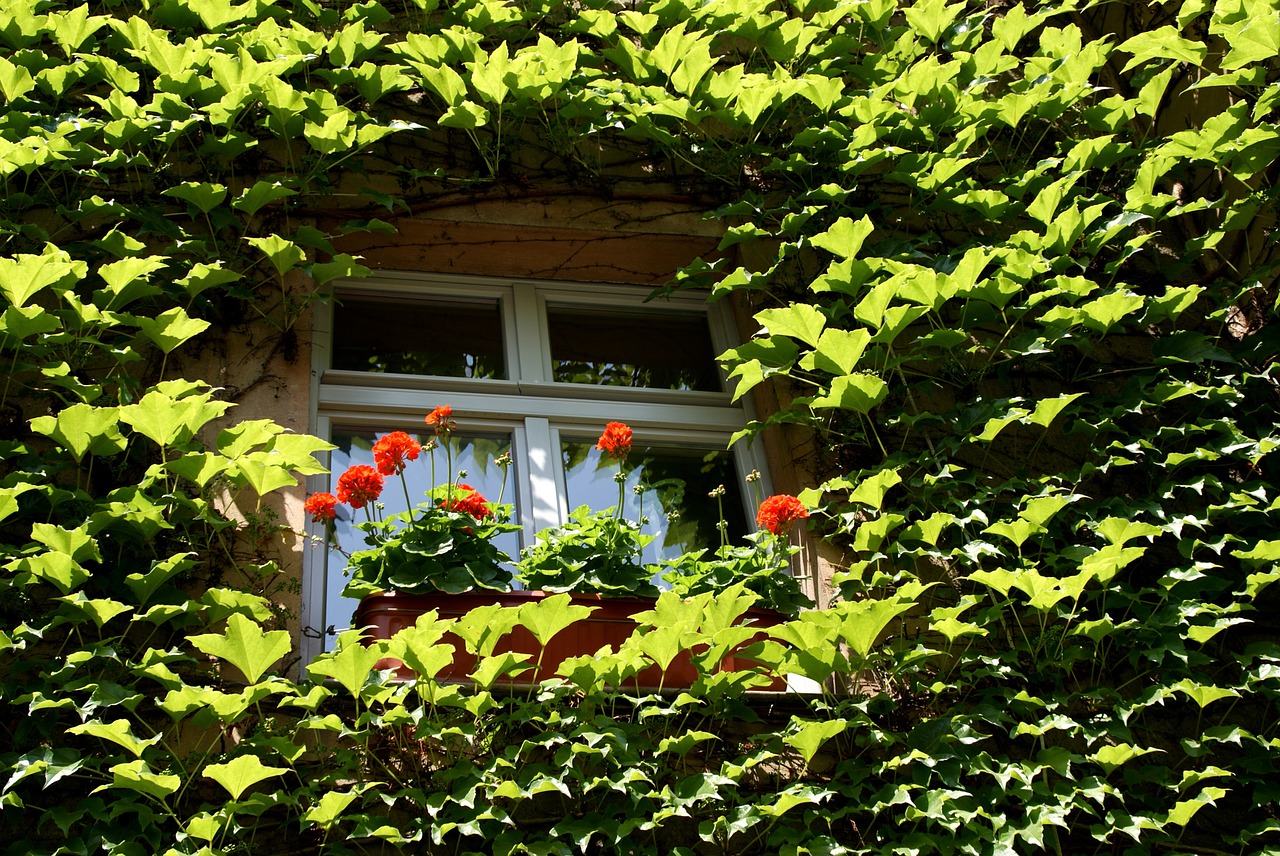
777	513
321	507
360	484
615	441
393	451
441	419
467	500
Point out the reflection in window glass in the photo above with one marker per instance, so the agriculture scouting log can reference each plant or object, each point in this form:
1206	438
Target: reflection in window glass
655	349
472	454
441	337
677	480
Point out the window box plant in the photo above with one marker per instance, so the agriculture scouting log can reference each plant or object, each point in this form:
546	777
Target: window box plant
439	557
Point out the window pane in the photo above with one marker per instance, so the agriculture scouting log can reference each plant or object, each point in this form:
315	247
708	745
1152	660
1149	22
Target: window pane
437	336
635	348
677	480
473	454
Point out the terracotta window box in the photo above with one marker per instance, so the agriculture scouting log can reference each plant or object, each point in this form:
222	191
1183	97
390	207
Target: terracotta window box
612	622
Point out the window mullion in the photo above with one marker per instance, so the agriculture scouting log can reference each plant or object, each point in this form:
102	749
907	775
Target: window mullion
546	505
531	342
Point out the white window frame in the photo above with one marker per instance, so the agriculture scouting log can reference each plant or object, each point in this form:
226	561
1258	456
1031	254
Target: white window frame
532	408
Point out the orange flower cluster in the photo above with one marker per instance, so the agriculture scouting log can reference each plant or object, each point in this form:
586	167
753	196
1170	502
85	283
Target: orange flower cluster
392	452
467	500
777	513
615	441
441	420
322	507
359	485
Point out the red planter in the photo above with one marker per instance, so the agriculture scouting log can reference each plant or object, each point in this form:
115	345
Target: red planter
612	622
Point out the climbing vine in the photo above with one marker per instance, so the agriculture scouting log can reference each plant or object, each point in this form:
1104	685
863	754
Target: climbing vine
1014	271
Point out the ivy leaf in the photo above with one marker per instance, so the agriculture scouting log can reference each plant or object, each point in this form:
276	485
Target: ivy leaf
1162	43
1103	313
1203	694
172	328
946	620
262	193
1184	810
82	428
137	776
245	645
844	238
481	628
863	621
1111	757
203	196
205	276
329	808
856	392
241	773
811	736
170	421
98	610
119	732
15	80
546	617
24	276
145	585
837	351
283	254
351	664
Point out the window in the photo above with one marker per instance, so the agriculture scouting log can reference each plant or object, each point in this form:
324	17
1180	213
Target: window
535	369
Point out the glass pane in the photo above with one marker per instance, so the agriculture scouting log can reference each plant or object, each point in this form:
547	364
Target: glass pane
449	338
635	348
677	480
472	454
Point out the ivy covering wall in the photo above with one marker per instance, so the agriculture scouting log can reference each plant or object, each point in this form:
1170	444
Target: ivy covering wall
1015	271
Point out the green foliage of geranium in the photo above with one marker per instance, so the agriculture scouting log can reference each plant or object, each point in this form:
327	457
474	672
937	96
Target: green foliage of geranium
596	552
761	565
432	548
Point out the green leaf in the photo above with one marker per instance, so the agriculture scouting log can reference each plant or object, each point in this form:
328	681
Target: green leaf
1203	694
863	621
1161	44
856	392
15	80
241	773
204	196
1111	757
1103	313
172	328
870	491
245	645
283	254
252	199
351	664
838	351
119	732
945	620
24	276
82	428
546	617
799	321
845	237
170	421
97	610
482	627
329	808
145	585
137	776
1184	810
812	736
